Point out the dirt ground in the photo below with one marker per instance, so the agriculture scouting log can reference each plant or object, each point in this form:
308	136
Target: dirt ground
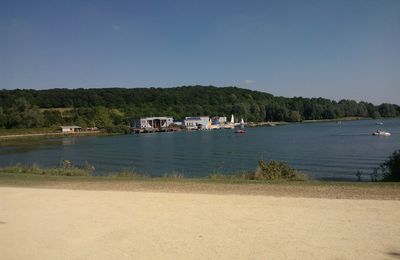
39	223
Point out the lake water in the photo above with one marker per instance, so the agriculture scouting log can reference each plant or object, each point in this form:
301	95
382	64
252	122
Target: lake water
323	150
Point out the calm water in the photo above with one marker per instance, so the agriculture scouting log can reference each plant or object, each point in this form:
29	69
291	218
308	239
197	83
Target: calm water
323	150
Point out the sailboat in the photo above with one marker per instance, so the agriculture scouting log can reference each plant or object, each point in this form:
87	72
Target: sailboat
230	125
241	129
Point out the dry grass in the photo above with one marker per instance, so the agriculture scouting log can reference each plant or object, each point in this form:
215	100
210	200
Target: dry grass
308	189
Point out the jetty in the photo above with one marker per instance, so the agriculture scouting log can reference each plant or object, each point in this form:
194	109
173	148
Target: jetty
154	130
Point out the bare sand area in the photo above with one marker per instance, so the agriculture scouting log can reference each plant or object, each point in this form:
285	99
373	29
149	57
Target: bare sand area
96	224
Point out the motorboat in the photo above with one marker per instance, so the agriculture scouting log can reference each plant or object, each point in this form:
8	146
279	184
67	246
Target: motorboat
240	131
379	123
381	133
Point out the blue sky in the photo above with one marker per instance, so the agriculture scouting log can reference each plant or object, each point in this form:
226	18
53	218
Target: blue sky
334	49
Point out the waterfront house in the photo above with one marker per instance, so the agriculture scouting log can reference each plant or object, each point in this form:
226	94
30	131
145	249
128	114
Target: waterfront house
151	122
218	120
197	122
70	129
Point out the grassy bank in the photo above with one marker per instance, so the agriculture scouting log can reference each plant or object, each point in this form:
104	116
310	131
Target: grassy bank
265	171
282	188
44	132
28	131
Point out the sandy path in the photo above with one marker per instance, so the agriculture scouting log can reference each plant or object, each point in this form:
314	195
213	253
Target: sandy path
76	224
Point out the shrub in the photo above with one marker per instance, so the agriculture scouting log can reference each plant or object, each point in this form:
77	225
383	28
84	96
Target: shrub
129	174
119	129
265	171
391	168
275	170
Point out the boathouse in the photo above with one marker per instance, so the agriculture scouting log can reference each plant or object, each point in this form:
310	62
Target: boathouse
218	120
70	129
198	122
152	122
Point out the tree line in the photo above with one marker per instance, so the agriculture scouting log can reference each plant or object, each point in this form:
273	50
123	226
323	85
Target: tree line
105	107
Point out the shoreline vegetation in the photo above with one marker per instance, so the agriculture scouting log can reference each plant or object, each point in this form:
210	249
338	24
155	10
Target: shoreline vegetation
270	179
265	171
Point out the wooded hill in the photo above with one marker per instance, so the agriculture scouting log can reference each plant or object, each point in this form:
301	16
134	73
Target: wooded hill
29	108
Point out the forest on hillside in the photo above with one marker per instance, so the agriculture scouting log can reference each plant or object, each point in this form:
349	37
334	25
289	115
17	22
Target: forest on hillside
27	108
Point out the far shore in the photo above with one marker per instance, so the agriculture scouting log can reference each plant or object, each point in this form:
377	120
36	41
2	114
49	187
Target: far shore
353	118
52	132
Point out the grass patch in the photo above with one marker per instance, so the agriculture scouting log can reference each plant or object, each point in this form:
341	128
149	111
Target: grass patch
24	131
128	174
67	169
271	171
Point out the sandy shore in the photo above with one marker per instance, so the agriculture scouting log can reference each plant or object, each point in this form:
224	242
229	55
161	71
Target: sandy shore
81	224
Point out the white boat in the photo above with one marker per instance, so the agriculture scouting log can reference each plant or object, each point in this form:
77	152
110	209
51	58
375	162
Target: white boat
379	123
230	125
381	133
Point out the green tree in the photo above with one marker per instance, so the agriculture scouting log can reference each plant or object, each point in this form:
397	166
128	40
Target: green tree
102	117
387	110
13	120
391	168
53	117
294	116
2	118
117	117
32	118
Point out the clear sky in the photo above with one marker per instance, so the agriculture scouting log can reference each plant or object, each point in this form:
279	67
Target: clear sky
334	48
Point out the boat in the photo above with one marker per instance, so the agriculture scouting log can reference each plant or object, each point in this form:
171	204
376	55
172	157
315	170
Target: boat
240	131
379	123
381	133
230	125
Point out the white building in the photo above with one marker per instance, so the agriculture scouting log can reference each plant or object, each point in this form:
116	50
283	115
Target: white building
197	122
218	120
152	122
70	129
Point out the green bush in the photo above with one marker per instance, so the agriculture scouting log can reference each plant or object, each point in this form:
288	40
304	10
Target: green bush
118	129
275	170
391	168
265	171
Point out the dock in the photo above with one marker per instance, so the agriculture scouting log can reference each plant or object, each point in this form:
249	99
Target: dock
154	130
